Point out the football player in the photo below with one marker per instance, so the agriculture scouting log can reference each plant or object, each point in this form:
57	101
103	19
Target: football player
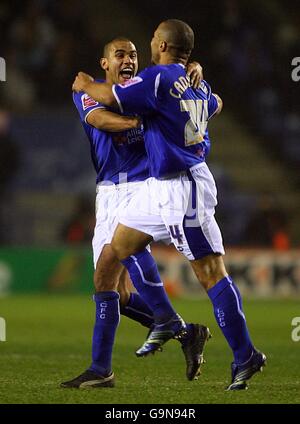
180	197
121	163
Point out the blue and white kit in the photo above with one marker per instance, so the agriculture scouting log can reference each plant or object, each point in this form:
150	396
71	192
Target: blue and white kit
179	198
121	164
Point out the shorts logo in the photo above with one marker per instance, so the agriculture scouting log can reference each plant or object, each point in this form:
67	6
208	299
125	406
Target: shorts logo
87	101
132	81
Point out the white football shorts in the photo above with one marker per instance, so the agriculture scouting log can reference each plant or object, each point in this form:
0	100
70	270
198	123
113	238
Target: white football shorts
111	204
182	208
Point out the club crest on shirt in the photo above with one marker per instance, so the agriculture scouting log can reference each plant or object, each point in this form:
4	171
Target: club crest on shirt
88	101
130	82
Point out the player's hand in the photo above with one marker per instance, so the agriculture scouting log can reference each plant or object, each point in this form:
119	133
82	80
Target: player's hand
81	81
195	72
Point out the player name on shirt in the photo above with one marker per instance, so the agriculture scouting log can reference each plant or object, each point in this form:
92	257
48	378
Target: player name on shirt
175	117
180	85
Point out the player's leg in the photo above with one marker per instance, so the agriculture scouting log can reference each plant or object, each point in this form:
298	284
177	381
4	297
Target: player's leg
227	304
127	241
131	304
199	238
144	273
130	246
228	310
107	315
107	275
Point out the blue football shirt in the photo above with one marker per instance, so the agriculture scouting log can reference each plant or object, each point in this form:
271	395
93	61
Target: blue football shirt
175	116
117	156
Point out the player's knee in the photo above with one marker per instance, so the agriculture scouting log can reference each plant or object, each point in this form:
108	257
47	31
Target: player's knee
117	249
120	247
122	250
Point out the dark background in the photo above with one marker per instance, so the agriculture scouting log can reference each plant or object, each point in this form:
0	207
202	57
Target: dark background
47	181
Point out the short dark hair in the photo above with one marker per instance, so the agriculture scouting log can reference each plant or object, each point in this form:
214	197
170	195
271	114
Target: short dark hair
179	36
108	45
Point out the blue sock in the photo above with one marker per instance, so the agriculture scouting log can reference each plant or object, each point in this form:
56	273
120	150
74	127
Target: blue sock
145	277
226	299
138	310
107	320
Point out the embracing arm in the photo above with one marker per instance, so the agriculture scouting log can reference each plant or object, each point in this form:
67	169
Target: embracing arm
112	122
102	92
195	72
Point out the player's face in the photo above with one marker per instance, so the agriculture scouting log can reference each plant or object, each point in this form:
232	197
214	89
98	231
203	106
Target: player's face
122	62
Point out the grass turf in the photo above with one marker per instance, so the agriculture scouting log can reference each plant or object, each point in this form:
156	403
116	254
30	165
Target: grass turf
49	341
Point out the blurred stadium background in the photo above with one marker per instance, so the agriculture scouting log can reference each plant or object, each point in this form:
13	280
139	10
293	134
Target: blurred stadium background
47	182
47	179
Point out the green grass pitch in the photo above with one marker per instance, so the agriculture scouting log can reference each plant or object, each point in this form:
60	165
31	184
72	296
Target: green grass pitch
49	341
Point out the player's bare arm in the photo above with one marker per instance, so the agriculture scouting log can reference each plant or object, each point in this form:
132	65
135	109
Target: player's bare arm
106	120
101	92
